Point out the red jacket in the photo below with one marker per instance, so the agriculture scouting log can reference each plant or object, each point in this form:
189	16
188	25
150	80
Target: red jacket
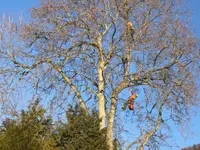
131	100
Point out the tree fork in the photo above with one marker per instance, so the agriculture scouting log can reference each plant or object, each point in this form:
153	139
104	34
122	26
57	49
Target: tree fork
111	117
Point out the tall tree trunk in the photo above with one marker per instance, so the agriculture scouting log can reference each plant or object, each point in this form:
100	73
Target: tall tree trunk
110	127
101	86
101	97
111	123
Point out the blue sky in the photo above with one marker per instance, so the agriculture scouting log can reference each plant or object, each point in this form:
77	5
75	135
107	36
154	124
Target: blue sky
19	7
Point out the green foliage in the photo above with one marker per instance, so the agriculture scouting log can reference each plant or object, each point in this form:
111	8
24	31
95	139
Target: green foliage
31	132
82	132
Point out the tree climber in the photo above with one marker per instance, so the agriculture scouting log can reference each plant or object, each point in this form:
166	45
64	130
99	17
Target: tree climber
130	28
130	101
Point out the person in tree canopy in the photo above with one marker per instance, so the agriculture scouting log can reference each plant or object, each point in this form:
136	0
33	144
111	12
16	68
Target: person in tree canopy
131	100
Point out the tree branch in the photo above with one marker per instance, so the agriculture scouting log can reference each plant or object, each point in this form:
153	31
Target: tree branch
59	69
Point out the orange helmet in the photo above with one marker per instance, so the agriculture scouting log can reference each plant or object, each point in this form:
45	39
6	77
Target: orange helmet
129	24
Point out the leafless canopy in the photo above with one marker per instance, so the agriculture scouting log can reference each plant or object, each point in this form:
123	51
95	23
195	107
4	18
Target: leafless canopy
83	51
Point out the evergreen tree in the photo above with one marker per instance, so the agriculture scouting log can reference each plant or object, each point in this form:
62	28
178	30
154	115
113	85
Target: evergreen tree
31	132
82	132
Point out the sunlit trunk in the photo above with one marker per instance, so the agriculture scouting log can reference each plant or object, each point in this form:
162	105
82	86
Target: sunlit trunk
111	124
101	97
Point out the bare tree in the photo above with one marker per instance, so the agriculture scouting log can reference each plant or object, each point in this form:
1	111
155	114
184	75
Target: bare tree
93	51
194	147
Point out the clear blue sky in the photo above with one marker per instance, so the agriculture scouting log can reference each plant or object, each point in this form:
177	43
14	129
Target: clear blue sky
18	7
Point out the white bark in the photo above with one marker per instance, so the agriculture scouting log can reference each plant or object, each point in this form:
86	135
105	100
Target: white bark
101	97
111	124
111	118
101	86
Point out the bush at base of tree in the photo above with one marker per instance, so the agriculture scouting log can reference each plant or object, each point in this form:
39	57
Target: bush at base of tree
82	132
33	131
